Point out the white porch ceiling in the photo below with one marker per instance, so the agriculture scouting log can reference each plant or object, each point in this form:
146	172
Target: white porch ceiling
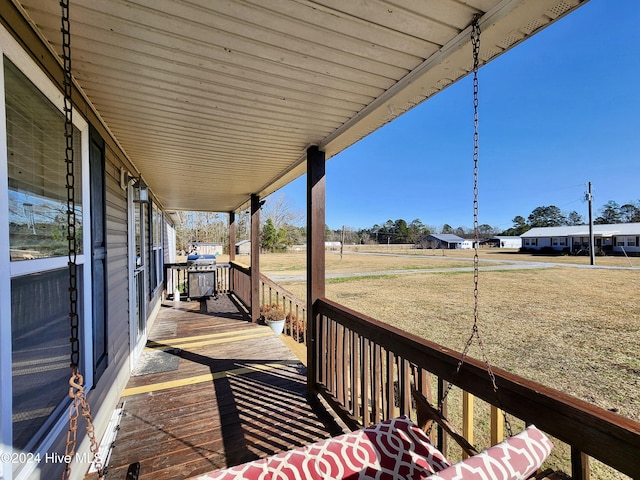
213	100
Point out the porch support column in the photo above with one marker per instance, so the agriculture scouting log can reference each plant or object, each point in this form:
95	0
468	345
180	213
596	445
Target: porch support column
315	253
255	258
232	250
232	236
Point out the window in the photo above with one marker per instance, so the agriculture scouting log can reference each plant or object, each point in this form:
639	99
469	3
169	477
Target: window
631	241
37	260
40	352
156	256
37	171
139	216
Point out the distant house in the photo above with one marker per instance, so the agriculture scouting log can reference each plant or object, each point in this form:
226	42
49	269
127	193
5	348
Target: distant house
207	248
503	241
243	247
445	241
332	246
619	238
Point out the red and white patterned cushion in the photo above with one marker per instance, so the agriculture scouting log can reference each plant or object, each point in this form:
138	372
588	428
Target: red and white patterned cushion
394	449
516	458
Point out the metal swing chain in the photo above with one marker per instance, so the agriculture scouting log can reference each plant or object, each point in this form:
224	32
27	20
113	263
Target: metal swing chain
79	404
475	332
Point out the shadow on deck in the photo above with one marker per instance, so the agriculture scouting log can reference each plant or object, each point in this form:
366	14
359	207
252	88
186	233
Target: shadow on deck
213	390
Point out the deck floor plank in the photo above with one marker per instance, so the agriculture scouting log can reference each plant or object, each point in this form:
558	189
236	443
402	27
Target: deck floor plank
252	405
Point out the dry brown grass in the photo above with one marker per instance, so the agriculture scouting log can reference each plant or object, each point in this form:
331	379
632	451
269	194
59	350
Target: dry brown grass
295	263
574	329
505	254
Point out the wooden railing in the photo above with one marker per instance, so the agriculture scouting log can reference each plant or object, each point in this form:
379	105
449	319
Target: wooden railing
223	284
176	278
240	283
296	320
366	369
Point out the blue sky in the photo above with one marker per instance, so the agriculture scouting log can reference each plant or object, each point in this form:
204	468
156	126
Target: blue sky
557	111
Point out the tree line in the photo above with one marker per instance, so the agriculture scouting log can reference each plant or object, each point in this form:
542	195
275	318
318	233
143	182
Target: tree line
281	226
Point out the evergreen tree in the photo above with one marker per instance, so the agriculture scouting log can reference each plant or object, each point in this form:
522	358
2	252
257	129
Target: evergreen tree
610	213
401	231
269	236
630	212
519	226
550	216
574	218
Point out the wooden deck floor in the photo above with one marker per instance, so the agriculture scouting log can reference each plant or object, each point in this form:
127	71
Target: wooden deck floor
231	392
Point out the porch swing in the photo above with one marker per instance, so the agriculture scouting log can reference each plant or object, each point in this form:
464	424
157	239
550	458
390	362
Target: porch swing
399	448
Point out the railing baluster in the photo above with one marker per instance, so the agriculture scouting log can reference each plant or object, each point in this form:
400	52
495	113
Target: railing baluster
391	386
366	380
405	388
497	425
348	358
340	362
323	333
579	465
467	418
376	395
355	374
442	403
331	370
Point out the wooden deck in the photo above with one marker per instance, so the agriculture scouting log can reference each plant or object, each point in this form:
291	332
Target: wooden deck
213	390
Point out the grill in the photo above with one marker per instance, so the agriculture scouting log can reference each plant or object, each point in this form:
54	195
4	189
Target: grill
201	271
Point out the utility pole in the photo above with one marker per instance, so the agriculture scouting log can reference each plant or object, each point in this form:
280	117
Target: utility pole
589	199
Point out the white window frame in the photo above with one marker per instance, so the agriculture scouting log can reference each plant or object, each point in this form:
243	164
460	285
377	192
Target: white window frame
11	49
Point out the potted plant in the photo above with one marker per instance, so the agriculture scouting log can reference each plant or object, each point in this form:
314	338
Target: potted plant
274	316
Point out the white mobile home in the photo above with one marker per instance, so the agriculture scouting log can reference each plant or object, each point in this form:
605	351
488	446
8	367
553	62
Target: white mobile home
614	238
504	241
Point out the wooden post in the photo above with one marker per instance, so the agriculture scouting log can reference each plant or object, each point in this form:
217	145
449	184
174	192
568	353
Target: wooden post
232	249
255	258
315	253
232	236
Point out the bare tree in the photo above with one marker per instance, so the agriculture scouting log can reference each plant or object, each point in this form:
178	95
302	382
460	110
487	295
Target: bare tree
278	208
283	216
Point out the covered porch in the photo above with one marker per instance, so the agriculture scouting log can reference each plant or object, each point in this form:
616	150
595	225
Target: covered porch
213	106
